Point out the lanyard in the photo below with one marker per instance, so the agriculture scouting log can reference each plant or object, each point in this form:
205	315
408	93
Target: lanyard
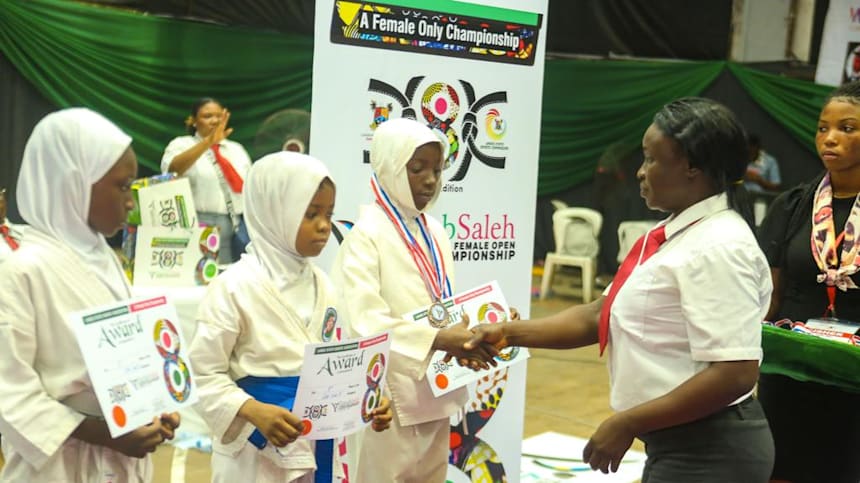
432	269
830	311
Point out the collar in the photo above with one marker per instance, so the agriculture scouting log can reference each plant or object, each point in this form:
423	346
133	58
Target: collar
708	206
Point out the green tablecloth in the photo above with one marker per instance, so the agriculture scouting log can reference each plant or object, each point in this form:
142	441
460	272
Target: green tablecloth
807	358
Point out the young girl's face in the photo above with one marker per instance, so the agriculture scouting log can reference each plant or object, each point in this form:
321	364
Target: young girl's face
425	173
110	199
315	228
838	136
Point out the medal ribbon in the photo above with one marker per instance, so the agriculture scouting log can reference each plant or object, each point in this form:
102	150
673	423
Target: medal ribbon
432	269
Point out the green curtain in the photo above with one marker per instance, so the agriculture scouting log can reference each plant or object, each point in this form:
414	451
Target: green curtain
794	103
144	72
589	106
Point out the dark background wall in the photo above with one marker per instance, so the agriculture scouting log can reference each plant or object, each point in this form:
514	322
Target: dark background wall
670	29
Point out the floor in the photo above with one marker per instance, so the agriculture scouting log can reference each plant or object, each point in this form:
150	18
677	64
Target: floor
567	391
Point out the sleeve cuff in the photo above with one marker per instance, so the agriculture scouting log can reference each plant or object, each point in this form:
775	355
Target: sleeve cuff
728	354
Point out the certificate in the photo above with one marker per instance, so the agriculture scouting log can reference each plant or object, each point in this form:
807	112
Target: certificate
137	360
175	257
484	304
340	385
168	204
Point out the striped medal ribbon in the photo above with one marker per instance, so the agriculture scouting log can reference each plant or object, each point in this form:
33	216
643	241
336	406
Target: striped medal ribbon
432	269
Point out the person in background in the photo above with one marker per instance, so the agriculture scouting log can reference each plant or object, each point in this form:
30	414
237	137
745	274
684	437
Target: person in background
763	170
683	363
74	190
10	235
216	168
810	239
254	323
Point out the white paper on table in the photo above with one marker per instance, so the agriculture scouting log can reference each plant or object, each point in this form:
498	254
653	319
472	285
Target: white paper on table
167	204
484	304
137	361
180	257
340	384
557	458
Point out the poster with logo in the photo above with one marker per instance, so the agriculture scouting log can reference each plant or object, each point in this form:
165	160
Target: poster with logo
137	359
175	257
473	72
168	204
484	304
839	55
340	385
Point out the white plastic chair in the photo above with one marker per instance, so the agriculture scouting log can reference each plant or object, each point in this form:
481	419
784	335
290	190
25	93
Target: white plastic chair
628	233
558	205
576	231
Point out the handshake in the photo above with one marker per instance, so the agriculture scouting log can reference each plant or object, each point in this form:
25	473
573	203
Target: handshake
475	348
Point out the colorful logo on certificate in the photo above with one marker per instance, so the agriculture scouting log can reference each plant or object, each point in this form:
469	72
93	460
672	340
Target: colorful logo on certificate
177	377
375	370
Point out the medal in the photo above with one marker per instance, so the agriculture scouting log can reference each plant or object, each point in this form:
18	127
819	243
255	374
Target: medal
432	268
438	315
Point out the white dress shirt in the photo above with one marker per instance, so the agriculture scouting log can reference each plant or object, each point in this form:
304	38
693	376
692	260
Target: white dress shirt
203	177
700	299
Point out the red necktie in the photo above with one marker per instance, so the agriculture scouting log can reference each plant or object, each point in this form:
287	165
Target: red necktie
230	174
4	230
655	238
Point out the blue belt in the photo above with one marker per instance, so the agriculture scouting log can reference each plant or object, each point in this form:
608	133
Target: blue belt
281	391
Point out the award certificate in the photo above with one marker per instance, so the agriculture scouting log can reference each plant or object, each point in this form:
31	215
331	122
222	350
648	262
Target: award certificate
340	384
137	360
484	304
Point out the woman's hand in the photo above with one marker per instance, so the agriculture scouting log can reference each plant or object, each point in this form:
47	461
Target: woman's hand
455	341
607	446
221	131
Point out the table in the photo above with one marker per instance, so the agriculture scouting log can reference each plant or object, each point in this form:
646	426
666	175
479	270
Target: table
810	359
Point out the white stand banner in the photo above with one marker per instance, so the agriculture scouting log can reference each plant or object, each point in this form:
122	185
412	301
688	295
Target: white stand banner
473	72
839	55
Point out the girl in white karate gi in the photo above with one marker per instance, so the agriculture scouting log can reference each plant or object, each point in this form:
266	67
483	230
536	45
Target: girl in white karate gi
73	190
379	275
255	321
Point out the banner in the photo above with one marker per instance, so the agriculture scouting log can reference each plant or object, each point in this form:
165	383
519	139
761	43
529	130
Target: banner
839	57
473	72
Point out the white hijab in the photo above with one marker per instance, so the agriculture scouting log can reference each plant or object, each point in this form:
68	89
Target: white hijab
394	142
68	152
278	190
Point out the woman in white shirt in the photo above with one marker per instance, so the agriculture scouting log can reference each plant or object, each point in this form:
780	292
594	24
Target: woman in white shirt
685	327
215	167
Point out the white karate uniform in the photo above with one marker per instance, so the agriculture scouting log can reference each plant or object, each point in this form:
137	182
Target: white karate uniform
62	266
378	283
256	319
